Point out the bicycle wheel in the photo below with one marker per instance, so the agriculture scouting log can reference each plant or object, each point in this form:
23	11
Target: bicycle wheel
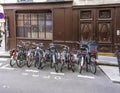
30	60
92	67
12	61
87	64
53	61
61	67
80	64
19	63
41	64
37	60
79	67
56	67
73	67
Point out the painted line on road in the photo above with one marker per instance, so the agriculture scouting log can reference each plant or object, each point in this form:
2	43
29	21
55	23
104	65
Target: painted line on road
35	75
46	77
57	77
6	67
54	73
5	86
24	74
85	76
30	70
1	64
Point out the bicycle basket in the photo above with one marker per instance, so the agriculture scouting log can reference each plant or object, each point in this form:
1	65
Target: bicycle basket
92	47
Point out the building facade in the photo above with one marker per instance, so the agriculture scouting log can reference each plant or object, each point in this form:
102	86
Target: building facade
64	21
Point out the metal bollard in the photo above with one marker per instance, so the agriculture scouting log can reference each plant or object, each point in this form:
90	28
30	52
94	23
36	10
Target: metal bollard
117	52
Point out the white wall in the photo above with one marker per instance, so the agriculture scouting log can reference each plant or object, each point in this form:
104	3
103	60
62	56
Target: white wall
75	2
8	1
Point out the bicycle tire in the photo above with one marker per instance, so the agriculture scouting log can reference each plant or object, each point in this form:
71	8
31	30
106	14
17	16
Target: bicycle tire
79	67
19	63
93	67
29	62
61	67
12	62
73	68
56	67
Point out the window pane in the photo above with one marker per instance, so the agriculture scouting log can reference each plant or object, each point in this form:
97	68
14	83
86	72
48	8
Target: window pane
27	28
20	32
20	23
27	16
34	17
41	25
48	26
20	17
34	25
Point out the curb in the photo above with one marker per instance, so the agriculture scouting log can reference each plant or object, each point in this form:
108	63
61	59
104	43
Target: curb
113	80
107	64
4	56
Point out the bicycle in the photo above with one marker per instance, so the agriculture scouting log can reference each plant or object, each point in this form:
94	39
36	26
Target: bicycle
53	54
13	57
92	52
82	56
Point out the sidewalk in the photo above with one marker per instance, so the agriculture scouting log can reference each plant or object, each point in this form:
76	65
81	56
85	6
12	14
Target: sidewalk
107	64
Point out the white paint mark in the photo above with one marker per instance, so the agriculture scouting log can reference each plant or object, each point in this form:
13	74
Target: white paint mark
54	73
57	77
5	86
84	76
6	67
46	77
3	59
1	64
25	74
35	71
35	75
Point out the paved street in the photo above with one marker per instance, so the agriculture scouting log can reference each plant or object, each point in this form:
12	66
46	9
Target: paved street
31	80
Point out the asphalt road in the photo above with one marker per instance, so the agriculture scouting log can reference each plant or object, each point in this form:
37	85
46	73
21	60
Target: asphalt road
31	80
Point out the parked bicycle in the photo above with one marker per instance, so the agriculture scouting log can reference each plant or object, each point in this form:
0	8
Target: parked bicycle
92	52
67	57
34	55
82	56
53	54
13	57
22	53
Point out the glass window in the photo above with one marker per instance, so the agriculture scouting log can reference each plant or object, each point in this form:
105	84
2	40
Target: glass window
34	25
48	26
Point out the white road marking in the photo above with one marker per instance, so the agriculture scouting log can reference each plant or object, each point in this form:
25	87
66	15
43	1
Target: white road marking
6	67
30	70
46	77
85	76
3	59
1	64
35	75
24	74
5	86
54	73
57	77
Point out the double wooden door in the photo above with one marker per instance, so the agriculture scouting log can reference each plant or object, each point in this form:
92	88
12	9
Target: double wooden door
97	25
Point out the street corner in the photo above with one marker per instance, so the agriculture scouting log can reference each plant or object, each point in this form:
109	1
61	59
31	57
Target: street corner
112	72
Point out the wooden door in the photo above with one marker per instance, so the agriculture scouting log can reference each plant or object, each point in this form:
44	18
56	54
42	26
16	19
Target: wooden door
58	25
86	26
105	29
